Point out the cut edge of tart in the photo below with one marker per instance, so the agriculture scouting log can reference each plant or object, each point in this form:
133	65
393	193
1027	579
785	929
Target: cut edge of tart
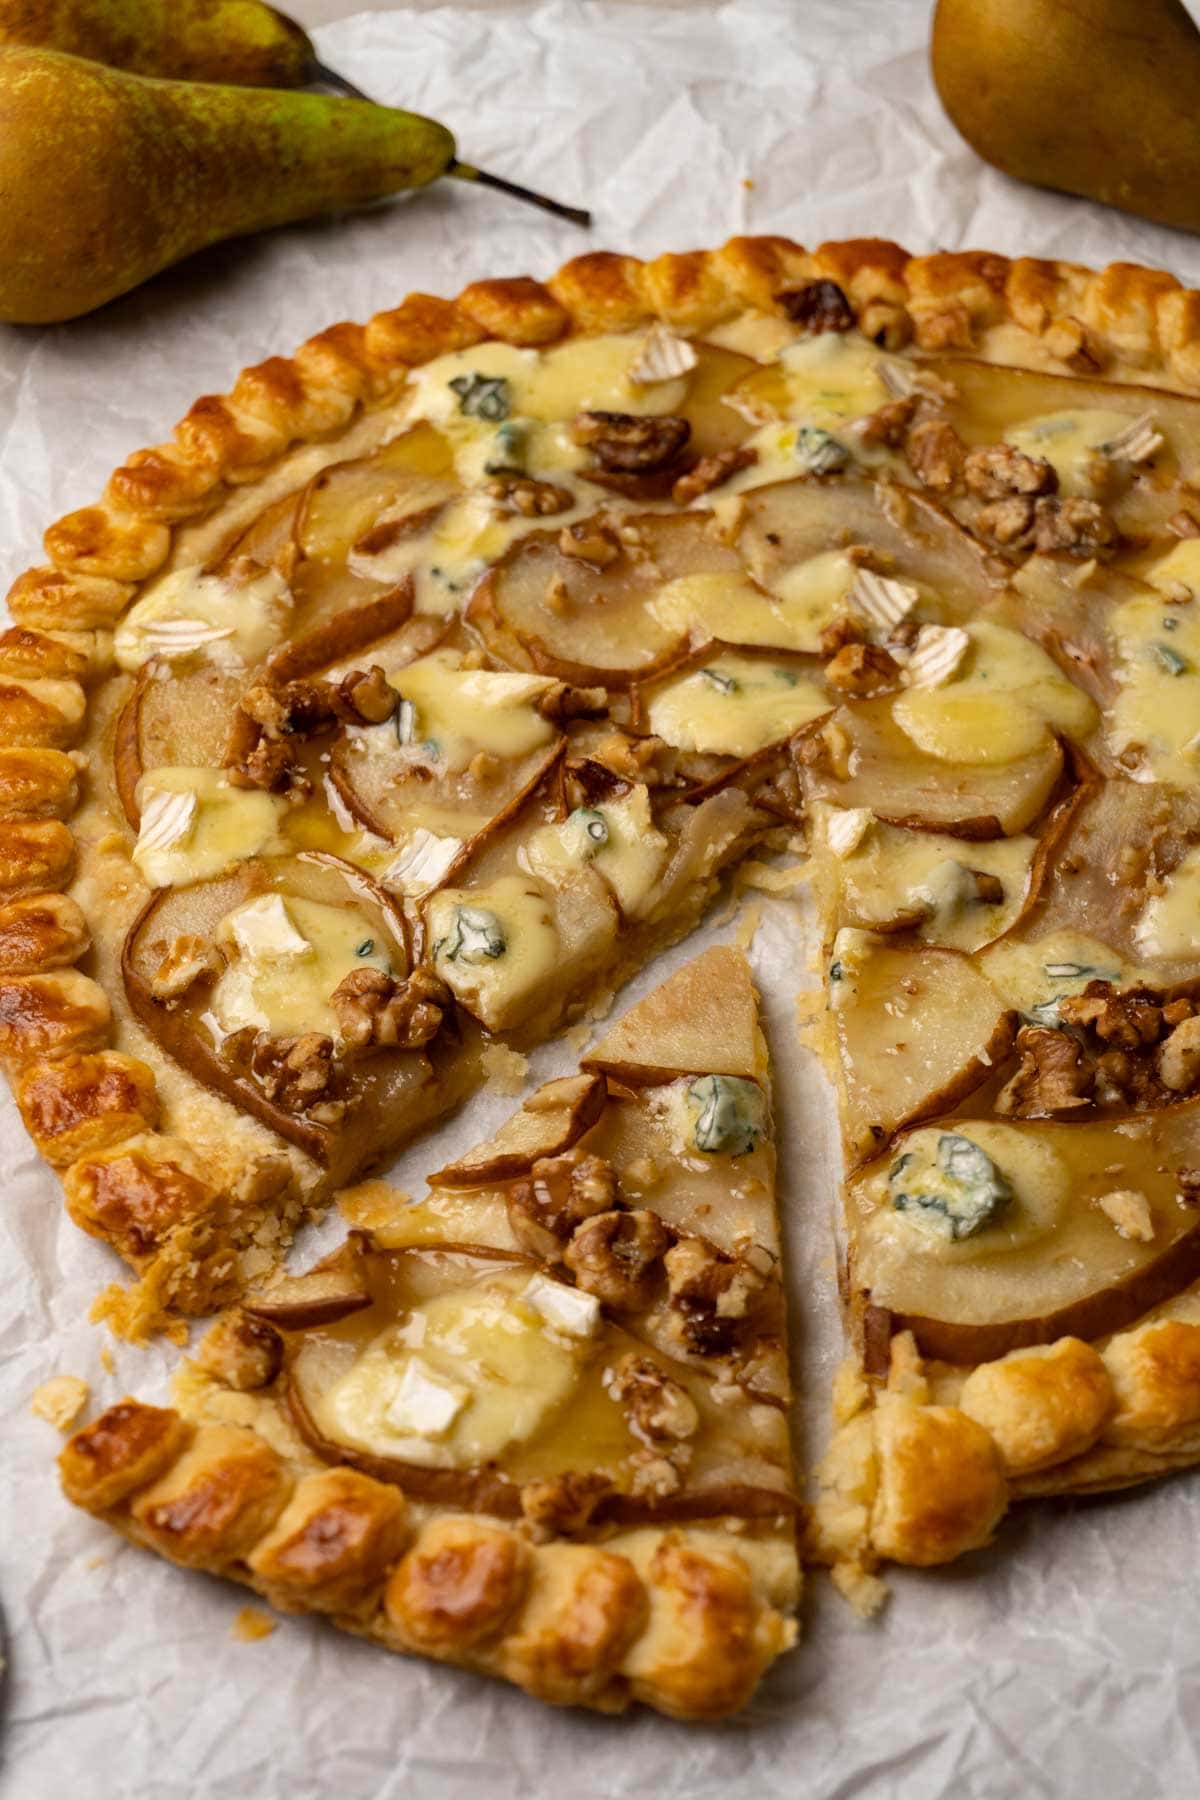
535	1424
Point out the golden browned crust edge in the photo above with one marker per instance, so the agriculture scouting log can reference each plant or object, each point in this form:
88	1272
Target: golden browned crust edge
682	1619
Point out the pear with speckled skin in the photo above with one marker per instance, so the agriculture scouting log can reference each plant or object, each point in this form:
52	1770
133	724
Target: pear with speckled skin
1096	98
106	177
240	41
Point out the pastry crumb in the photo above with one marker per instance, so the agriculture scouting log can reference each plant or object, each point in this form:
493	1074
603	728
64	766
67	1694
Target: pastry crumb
60	1400
748	924
251	1625
865	1593
372	1205
769	879
505	1069
578	1036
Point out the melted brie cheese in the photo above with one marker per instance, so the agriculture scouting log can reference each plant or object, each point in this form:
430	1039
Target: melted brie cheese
1157	712
998	704
618	838
286	957
454	713
1170	922
1033	977
734	706
212	828
467	1377
894	875
187	615
1068	442
496	946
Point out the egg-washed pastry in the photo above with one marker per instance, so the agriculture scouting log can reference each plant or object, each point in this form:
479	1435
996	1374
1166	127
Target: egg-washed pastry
421	690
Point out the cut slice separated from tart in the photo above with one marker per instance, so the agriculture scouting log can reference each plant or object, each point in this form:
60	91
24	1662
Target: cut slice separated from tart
536	1423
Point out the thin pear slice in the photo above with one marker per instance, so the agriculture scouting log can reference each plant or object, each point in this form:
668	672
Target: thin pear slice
909	536
866	760
549	1123
583	622
1052	1262
542	1408
917	1029
385	1093
702	1021
174	721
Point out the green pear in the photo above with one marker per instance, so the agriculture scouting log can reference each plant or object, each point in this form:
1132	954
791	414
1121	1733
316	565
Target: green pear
242	41
1096	97
107	177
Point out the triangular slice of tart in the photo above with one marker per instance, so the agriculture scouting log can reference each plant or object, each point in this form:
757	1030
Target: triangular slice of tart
535	1423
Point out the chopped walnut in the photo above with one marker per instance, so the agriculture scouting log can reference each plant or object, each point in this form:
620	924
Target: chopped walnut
889	424
659	1409
711	1295
562	703
1052	1077
935	455
368	698
656	1476
646	759
1178	1059
629	444
1010	524
241	1352
998	471
560	1192
269	765
817	306
843	630
862	669
711	472
1078	527
531	499
1128	1019
563	1504
375	1011
591	542
188	959
295	1073
617	1257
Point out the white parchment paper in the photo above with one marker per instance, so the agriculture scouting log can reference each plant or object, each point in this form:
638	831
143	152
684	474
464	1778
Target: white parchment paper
1066	1661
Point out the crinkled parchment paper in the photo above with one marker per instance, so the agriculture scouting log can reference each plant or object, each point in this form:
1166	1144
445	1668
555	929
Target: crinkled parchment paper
1066	1661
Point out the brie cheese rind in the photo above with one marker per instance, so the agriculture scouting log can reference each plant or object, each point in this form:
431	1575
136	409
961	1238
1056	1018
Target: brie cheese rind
501	629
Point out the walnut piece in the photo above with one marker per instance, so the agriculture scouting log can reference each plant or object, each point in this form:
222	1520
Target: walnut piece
711	1295
187	960
889	424
1129	1019
1010	524
1178	1060
862	669
269	765
1052	1077
562	702
295	1073
659	1410
1078	527
590	541
559	1193
617	1256
997	471
1130	1213
241	1352
375	1011
531	499
563	1504
630	444
817	306
711	472
935	454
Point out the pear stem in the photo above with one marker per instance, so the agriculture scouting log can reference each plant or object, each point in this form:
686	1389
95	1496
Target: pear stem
578	215
318	71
